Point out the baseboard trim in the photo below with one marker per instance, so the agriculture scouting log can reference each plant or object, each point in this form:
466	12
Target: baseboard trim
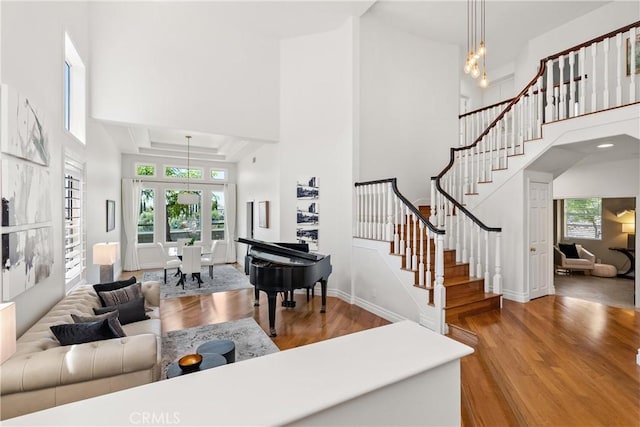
515	296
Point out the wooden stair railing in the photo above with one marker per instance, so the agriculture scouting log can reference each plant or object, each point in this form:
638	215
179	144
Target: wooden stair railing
568	84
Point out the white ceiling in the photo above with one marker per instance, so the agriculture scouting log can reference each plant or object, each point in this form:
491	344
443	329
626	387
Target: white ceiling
509	25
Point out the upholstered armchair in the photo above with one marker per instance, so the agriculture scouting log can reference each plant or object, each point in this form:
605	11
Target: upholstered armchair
573	257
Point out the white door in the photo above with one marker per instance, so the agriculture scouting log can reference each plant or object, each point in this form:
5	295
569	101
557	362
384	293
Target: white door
539	232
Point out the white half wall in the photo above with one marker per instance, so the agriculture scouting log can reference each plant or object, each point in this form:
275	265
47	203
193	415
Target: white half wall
316	138
180	65
409	104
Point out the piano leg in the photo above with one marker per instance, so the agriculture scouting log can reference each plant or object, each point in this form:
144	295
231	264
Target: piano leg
323	286
272	313
256	297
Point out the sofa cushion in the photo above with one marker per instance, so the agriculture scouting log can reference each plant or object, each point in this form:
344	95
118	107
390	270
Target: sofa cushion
121	295
569	250
102	287
79	333
132	311
112	316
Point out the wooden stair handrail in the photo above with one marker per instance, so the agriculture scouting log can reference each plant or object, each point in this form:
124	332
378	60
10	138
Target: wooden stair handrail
412	208
543	64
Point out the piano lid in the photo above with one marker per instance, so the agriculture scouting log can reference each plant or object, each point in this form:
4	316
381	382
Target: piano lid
280	250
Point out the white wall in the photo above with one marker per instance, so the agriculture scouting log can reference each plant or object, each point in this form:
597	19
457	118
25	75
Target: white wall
32	62
408	106
316	138
180	65
258	181
588	179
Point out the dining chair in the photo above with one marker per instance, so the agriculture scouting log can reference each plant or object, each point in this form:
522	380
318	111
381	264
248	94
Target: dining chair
210	258
167	261
190	264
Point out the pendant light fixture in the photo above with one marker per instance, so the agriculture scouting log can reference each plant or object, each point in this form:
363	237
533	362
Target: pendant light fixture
187	197
475	32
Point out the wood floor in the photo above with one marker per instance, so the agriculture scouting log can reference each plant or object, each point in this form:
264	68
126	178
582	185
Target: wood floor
555	361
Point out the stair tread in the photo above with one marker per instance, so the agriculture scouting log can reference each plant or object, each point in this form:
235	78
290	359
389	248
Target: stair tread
469	299
461	280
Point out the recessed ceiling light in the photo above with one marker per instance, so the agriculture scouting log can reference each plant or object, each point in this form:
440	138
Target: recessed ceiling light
605	145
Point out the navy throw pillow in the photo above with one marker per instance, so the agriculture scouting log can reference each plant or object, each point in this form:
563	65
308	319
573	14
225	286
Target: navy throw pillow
79	333
569	250
105	287
129	312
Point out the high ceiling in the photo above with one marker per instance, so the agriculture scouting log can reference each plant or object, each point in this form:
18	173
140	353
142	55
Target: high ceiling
509	24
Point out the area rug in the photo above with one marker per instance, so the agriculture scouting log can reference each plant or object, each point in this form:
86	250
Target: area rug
225	278
250	340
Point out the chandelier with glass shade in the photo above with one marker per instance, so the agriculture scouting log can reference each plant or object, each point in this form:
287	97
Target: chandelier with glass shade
187	197
476	46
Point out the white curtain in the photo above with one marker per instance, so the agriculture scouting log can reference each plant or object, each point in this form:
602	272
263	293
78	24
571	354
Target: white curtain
131	194
230	221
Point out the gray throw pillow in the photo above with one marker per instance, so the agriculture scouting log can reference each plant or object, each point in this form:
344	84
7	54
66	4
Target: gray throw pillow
101	287
129	312
122	295
79	333
112	316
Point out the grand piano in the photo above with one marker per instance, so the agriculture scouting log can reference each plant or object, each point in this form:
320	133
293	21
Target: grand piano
274	268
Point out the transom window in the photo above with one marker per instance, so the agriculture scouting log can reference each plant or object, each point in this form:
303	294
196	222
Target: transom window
145	170
583	218
218	174
182	172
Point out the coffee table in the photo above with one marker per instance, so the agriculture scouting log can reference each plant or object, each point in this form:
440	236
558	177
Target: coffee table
209	360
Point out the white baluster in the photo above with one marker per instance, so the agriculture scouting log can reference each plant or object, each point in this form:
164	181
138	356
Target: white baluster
594	96
396	235
390	223
605	76
556	95
408	256
479	252
381	210
465	252
428	272
505	143
549	117
532	111
632	66
458	245
414	256
440	296
421	265
539	99
619	69
359	224
467	185
497	277
487	276
583	78
572	86
365	210
472	258
376	212
563	90
402	229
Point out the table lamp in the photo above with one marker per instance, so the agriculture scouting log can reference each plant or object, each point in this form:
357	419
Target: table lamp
631	230
7	330
105	255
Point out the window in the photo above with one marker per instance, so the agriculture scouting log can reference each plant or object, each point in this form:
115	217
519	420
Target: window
217	215
146	217
74	232
218	174
583	218
179	172
74	91
145	170
183	221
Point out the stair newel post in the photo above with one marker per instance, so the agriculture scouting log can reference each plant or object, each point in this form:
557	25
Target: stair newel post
479	252
539	99
582	98
619	69
472	259
632	66
414	254
402	228
390	223
407	250
548	113
594	93
440	296
396	224
572	85
432	203
421	265
497	277
605	74
487	275
563	90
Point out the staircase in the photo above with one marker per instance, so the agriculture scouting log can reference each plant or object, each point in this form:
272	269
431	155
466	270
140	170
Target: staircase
454	257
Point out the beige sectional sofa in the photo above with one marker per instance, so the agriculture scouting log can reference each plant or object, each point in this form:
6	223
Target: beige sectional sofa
42	373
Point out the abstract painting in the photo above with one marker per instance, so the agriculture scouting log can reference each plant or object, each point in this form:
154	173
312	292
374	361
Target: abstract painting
307	212
27	259
25	135
26	198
